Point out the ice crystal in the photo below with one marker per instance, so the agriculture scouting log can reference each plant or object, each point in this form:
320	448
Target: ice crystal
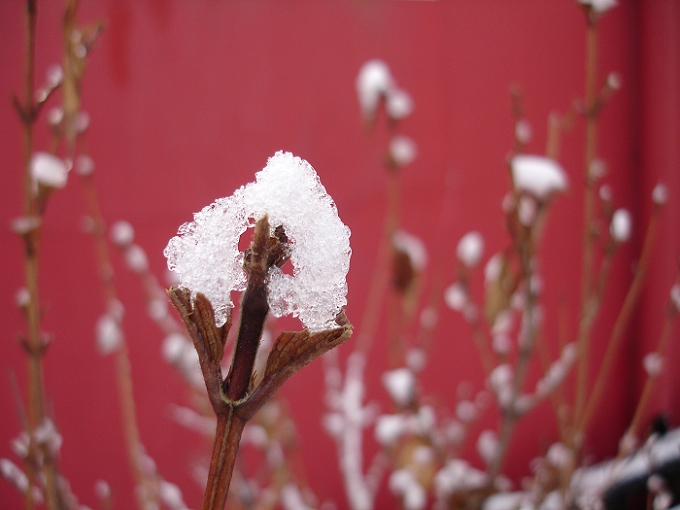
206	257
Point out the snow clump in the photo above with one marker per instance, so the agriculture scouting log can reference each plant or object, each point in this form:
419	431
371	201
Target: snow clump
205	253
49	170
599	6
538	175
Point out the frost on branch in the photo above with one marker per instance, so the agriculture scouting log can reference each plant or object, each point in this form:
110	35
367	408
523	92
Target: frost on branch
206	256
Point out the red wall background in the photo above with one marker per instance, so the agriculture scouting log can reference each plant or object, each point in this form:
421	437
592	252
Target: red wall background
188	99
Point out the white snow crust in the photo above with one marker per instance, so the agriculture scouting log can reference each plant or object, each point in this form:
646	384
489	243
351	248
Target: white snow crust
206	257
538	175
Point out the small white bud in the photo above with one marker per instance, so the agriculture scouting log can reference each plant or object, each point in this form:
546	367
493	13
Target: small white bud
599	6
470	248
401	385
416	359
82	121
598	169
501	344
606	193
429	318
22	297
660	194
466	411
523	131
122	233
413	247
675	295
614	81
109	334
84	165
628	443
174	346
455	296
653	363
372	83
55	115
54	75
48	170
487	445
403	150
399	104
621	225
102	489
14	474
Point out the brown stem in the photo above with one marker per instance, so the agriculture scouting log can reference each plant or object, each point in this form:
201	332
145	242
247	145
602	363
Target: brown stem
35	412
651	378
620	325
264	252
227	438
589	207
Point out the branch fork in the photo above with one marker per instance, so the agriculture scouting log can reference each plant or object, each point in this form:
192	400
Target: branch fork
235	398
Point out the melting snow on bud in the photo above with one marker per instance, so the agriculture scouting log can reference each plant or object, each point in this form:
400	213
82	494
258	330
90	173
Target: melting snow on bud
413	247
470	248
621	225
48	170
538	175
206	257
373	81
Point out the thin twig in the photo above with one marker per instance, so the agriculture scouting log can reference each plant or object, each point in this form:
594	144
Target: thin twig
620	325
589	208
